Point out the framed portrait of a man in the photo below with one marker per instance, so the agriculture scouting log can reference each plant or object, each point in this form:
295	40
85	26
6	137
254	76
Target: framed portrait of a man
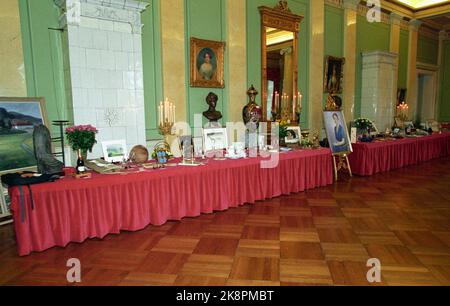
334	74
337	132
207	63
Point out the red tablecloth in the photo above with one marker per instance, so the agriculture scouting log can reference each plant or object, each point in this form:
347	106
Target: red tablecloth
371	158
72	210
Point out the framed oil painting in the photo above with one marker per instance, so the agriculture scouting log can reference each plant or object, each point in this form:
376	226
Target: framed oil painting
18	117
334	74
207	63
337	132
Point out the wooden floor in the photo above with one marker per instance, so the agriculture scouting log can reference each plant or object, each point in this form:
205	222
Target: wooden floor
321	237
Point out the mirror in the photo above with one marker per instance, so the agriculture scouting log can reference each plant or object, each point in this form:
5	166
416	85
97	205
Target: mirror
279	51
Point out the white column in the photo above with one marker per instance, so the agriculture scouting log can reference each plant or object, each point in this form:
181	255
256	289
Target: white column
350	30
443	36
104	47
173	55
316	51
395	32
237	59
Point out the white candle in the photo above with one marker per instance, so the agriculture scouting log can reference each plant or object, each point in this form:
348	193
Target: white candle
174	113
277	97
294	106
161	115
300	97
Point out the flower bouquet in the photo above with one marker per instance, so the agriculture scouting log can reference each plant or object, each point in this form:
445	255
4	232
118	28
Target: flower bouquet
82	137
364	126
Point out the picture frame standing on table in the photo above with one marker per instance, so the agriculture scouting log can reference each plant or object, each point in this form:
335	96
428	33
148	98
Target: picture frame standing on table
114	151
294	135
215	139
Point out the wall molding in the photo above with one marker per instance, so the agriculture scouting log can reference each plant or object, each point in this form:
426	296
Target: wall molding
125	11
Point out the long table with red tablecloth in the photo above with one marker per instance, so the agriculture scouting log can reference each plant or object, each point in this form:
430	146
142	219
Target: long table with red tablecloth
382	156
71	210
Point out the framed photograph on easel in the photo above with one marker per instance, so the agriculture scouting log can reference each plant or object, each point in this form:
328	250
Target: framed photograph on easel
339	140
337	132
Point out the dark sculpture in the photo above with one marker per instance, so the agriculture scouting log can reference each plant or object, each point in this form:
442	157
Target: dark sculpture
46	161
252	112
212	114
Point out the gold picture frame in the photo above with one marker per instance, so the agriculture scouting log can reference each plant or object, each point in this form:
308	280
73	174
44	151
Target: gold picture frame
42	117
334	66
207	63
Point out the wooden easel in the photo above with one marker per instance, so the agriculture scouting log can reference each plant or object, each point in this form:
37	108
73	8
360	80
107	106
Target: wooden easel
340	162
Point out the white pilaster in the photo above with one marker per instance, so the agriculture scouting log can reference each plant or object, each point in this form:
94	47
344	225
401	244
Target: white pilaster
316	51
350	30
412	82
104	46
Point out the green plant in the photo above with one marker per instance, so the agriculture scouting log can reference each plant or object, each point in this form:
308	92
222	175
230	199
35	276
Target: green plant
282	132
81	137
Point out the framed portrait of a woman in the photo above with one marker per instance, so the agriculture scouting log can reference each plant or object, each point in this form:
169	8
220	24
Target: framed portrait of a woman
337	132
334	74
207	63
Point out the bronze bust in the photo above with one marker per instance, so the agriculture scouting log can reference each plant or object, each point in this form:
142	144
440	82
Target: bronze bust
212	114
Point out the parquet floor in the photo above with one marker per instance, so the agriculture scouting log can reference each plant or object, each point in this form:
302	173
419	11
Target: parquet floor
321	237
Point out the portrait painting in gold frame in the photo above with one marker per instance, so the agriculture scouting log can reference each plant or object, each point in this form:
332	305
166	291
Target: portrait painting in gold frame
207	63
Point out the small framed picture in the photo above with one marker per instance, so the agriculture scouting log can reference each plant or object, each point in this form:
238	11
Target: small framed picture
115	151
198	146
354	135
186	147
215	139
294	135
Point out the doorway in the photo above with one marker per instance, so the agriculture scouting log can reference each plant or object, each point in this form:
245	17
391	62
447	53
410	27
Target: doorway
426	96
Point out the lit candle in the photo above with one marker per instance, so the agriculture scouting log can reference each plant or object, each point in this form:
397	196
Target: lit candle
277	101
294	107
300	97
161	114
174	113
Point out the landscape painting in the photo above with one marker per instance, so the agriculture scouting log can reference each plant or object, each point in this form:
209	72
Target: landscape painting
18	117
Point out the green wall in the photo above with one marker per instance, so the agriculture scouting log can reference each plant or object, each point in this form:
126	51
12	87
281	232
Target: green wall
444	109
334	35
334	31
427	50
151	59
43	56
207	24
403	59
300	7
369	37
